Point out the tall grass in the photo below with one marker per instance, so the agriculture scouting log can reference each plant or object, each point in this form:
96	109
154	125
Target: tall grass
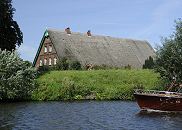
95	84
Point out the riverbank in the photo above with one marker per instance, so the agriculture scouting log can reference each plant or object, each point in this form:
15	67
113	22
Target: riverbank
96	84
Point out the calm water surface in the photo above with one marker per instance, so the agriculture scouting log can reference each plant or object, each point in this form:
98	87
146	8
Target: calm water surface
87	115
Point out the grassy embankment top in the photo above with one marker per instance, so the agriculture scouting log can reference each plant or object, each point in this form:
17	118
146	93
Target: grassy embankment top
96	84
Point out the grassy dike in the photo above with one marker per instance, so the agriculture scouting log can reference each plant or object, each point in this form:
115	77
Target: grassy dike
96	84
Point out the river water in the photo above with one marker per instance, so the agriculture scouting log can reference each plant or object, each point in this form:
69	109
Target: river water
85	115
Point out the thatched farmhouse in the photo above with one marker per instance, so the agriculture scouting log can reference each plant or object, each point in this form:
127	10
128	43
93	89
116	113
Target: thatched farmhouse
91	49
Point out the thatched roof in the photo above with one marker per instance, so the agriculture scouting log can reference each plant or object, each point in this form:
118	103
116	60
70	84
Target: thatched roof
99	50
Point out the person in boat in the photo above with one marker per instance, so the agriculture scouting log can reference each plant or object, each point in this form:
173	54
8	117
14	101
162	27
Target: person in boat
174	86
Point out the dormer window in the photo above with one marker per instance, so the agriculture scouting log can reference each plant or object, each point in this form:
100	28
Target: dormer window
55	61
50	61
45	49
40	64
50	48
45	61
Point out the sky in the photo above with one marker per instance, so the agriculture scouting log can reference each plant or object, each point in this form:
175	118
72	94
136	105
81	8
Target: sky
136	19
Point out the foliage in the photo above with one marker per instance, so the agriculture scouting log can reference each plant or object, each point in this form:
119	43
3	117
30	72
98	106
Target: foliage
75	65
63	64
104	67
10	33
43	69
101	67
128	67
169	55
95	84
149	63
16	77
68	90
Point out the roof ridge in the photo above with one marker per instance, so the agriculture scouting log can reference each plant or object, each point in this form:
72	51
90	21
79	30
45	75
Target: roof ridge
96	35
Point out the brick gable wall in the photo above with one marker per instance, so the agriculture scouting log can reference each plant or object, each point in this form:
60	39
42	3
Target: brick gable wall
46	55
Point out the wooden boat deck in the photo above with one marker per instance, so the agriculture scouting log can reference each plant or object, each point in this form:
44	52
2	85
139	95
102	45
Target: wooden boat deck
158	93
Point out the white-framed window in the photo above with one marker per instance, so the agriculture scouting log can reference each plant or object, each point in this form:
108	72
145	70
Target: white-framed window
45	49
50	61
50	48
55	61
40	63
45	61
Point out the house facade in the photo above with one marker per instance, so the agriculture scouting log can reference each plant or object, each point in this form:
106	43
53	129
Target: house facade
47	53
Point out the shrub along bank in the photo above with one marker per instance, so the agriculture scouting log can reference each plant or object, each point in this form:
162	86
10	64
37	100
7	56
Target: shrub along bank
95	84
17	77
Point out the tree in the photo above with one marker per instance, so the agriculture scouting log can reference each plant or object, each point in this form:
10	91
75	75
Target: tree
169	55
149	63
17	77
10	33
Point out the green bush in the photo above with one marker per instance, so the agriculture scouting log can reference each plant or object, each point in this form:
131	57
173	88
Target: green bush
101	67
75	65
128	67
63	64
43	69
64	91
16	77
95	84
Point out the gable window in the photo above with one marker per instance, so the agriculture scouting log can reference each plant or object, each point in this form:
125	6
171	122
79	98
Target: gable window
50	61
40	63
45	61
55	61
50	48
45	49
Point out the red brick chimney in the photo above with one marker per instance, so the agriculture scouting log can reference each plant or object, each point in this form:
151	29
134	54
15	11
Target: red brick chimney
68	31
89	33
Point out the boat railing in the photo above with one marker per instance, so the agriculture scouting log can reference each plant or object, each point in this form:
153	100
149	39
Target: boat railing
142	91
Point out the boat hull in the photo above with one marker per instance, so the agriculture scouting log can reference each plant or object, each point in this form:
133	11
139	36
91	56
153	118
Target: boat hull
155	102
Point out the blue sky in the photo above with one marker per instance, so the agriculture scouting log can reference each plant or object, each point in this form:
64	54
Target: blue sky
137	19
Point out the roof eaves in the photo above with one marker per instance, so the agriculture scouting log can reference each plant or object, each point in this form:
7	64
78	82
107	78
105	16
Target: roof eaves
40	46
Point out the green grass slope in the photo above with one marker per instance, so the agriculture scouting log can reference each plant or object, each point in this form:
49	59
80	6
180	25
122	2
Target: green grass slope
96	84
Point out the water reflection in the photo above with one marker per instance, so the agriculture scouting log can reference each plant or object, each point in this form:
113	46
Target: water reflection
168	120
159	113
